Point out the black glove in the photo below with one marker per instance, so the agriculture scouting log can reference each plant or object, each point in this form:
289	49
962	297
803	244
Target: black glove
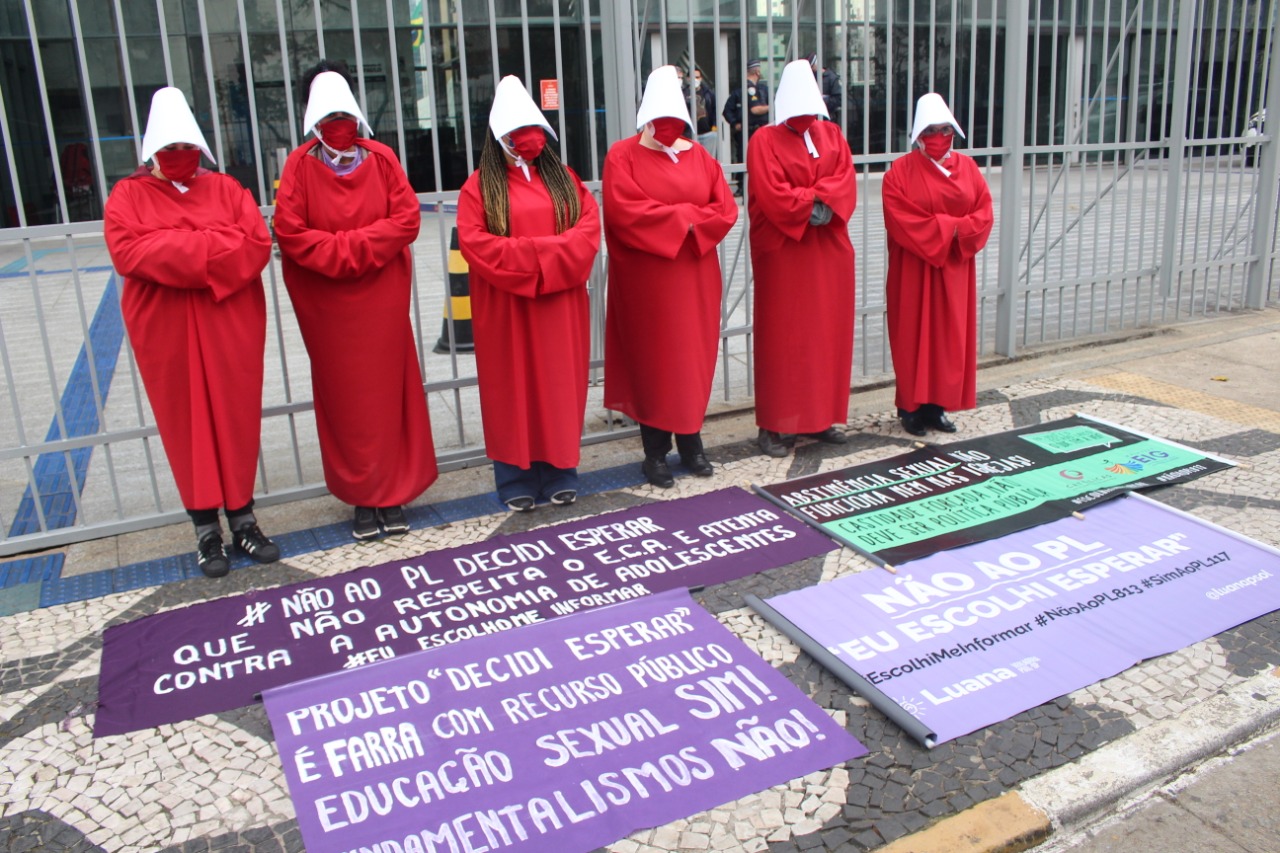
821	214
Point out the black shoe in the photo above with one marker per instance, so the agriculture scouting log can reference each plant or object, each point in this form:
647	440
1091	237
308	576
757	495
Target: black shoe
365	525
564	497
830	435
697	464
211	556
524	503
255	543
657	473
941	422
770	444
393	520
913	423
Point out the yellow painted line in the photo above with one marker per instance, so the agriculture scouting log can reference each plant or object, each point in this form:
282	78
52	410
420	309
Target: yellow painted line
1196	401
1007	824
461	307
457	263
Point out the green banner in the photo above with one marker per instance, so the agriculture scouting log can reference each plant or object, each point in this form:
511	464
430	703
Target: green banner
940	497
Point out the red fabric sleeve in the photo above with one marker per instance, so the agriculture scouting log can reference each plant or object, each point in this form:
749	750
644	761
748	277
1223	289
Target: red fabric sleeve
566	258
222	258
508	263
975	228
785	206
346	254
839	190
712	221
644	224
926	235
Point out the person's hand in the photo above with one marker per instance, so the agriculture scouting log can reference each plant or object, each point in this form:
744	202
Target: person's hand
821	213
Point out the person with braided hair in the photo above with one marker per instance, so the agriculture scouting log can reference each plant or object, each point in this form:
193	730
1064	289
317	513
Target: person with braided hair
530	231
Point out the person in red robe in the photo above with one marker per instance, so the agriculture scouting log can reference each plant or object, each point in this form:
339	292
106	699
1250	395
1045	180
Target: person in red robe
191	245
937	211
666	208
802	190
530	231
345	219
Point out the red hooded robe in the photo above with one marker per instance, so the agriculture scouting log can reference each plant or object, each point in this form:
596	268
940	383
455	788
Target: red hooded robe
531	320
197	319
804	285
663	323
344	246
936	225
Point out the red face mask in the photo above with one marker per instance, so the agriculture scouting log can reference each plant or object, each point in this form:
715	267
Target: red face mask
936	145
179	164
800	123
339	133
528	142
667	130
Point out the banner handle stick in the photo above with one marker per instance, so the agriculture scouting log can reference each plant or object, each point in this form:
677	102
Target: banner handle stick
809	521
845	673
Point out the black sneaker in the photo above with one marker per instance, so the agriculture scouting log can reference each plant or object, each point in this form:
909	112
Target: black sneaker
211	556
365	525
255	543
524	503
564	497
393	520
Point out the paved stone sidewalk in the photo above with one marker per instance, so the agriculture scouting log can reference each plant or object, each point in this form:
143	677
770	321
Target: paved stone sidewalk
215	783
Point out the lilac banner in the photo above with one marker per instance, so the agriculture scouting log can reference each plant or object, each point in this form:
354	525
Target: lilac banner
221	654
971	636
561	736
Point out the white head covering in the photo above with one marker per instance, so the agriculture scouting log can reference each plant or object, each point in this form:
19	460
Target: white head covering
798	95
171	121
513	108
331	94
931	109
663	98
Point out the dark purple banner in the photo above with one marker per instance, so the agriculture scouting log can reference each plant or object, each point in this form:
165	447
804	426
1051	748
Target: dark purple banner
972	636
221	654
562	736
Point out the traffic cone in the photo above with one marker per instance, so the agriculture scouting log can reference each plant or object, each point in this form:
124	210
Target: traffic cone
460	300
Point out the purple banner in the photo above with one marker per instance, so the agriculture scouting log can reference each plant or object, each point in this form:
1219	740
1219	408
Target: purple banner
221	654
562	736
968	637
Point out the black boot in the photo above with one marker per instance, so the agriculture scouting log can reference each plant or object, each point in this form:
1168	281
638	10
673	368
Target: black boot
657	473
770	444
692	455
912	422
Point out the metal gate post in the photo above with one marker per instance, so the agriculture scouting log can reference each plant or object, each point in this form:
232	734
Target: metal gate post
1017	31
1264	206
1177	140
617	44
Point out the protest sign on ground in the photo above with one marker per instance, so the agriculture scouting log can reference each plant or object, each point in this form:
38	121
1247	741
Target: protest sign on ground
945	496
971	636
221	654
562	736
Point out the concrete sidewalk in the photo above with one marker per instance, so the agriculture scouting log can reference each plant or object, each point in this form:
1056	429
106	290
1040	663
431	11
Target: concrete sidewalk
215	783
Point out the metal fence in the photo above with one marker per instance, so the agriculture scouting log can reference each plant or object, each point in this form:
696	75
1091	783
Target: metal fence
1125	142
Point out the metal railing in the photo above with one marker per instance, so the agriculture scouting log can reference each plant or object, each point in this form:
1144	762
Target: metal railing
1125	143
